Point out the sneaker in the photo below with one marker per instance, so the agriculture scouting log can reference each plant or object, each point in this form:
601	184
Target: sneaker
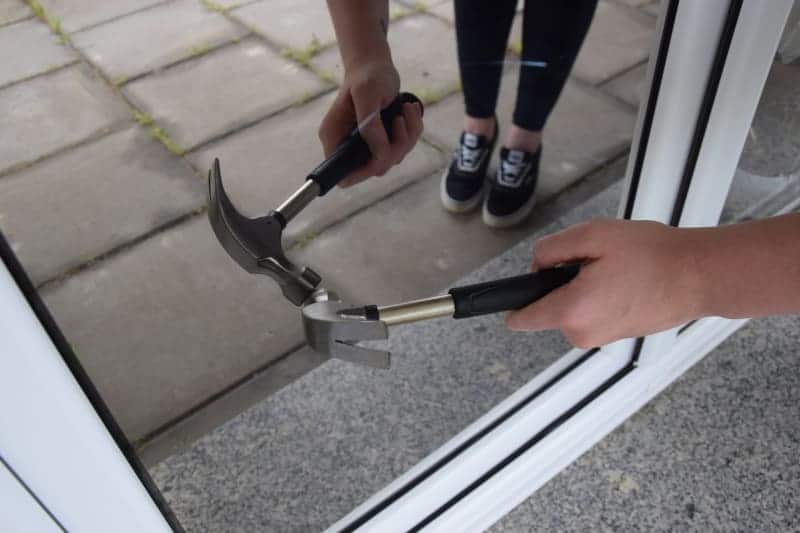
463	182
510	199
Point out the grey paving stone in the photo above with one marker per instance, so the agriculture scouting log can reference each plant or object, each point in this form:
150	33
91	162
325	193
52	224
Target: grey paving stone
12	11
425	4
173	31
653	8
168	323
444	10
309	454
630	86
68	209
256	82
586	129
618	39
262	384
716	451
431	74
50	112
28	48
296	24
78	14
264	164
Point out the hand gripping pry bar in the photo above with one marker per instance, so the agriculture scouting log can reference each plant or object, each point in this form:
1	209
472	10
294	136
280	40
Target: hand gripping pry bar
333	327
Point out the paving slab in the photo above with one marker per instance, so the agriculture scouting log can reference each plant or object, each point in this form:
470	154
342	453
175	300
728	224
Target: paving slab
431	74
444	10
421	4
264	164
630	86
66	210
28	48
263	383
716	451
54	111
75	15
193	102
653	8
174	31
12	11
296	24
309	454
165	325
618	39
585	129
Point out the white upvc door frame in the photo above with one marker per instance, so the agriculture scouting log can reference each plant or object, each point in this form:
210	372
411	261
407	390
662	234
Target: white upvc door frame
64	462
69	466
709	66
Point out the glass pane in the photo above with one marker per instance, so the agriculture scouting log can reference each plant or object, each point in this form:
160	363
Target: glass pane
106	139
767	177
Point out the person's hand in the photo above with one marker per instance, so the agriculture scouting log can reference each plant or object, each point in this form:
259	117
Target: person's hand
367	89
638	277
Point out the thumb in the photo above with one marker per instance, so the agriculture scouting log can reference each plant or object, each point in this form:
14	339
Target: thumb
576	243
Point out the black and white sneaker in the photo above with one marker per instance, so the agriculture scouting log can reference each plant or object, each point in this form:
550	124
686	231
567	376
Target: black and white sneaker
463	182
511	193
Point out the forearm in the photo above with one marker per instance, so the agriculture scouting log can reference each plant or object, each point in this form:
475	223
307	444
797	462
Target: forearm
361	27
750	269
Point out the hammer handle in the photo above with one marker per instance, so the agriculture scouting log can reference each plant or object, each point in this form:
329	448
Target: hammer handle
509	294
353	151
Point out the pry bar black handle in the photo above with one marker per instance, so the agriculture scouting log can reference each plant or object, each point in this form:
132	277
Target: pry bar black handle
509	294
353	152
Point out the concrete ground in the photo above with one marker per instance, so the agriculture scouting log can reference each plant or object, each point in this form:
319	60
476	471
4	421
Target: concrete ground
716	451
110	113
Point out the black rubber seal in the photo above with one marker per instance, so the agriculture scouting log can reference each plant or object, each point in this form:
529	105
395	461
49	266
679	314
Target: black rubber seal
71	360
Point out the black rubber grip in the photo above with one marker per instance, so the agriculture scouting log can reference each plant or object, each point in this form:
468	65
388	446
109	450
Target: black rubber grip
509	294
353	152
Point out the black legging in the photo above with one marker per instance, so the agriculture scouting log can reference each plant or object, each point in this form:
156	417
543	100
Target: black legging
552	32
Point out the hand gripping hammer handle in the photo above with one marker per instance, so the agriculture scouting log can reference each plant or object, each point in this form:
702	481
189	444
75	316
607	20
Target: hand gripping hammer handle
351	154
506	294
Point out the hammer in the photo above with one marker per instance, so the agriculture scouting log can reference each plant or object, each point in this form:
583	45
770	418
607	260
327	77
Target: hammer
255	243
333	327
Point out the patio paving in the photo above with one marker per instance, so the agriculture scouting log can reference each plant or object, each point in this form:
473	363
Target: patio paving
43	51
166	324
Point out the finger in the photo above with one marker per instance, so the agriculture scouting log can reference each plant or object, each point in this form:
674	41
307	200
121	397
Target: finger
576	243
400	139
414	121
545	313
337	123
370	126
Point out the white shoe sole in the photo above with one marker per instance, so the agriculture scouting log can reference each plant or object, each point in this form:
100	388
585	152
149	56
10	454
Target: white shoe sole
513	219
455	206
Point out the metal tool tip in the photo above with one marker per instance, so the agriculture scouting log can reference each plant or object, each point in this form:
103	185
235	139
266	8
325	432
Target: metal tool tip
367	312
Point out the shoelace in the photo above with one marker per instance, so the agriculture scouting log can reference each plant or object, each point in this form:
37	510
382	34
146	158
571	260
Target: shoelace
469	157
510	174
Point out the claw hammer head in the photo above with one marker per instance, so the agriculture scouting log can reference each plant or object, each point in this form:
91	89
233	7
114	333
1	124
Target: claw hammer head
255	243
328	332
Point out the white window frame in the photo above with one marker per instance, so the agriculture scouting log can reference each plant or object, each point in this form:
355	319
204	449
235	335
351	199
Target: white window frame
66	461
